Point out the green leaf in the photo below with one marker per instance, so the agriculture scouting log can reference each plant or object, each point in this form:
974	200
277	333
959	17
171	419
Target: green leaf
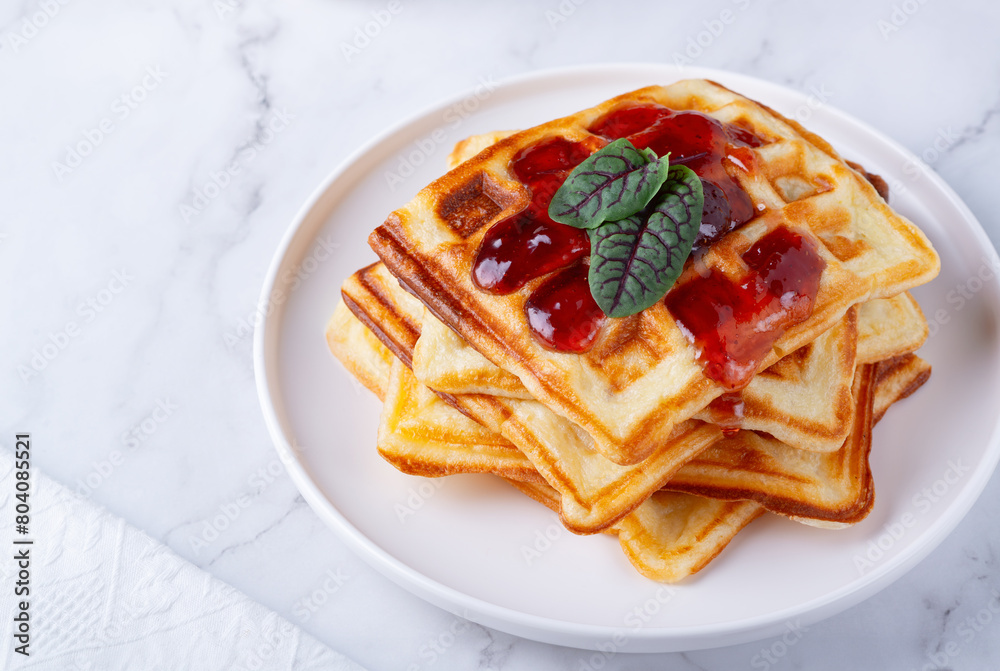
612	183
634	261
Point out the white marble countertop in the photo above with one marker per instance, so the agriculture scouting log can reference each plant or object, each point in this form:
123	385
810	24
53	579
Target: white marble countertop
129	281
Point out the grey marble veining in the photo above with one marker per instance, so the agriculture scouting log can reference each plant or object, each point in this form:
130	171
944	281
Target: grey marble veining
208	125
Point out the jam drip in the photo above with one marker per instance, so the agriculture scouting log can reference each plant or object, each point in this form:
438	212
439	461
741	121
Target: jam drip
529	244
702	144
562	312
735	324
727	412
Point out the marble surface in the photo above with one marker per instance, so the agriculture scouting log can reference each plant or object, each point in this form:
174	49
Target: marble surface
155	154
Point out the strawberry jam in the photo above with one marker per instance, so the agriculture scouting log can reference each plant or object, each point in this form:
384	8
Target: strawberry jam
727	412
562	312
529	244
702	144
735	324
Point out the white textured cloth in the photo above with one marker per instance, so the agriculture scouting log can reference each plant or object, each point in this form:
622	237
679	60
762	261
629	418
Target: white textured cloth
105	596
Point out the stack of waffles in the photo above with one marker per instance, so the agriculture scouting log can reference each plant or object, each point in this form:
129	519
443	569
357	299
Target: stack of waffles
635	434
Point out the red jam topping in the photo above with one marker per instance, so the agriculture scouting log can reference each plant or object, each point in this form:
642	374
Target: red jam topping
727	413
562	312
735	324
529	244
702	144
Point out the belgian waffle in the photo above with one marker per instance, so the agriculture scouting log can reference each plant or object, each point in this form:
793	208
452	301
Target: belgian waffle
641	380
803	399
596	492
670	535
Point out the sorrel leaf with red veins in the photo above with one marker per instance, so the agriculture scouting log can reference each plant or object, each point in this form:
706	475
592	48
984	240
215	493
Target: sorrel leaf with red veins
612	183
634	261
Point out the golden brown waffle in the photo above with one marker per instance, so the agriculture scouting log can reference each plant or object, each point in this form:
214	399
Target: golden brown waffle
833	487
361	352
898	377
673	535
420	434
445	362
890	328
804	399
595	491
869	251
670	535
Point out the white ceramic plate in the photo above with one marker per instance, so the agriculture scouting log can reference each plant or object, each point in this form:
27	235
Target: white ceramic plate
474	546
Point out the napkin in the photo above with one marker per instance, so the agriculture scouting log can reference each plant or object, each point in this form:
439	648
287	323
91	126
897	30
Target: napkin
105	596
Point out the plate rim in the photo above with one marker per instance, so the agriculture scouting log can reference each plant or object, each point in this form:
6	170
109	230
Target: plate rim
560	631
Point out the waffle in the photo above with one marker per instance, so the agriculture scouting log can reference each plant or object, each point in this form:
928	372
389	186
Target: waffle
887	328
641	379
361	352
890	328
445	362
420	434
828	489
595	491
673	535
804	399
670	535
